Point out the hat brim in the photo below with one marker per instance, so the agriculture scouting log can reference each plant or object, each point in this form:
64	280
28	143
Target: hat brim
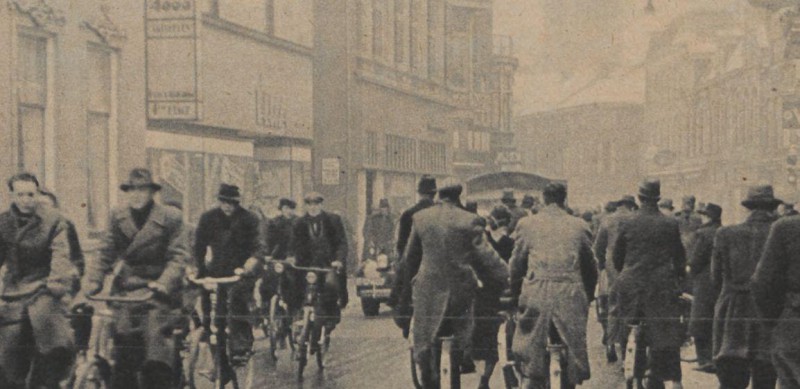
762	202
229	198
313	201
127	187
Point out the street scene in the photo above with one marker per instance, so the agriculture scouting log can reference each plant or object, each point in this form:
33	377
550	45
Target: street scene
427	194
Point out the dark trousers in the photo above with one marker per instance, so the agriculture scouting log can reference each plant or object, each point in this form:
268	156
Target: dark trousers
233	305
703	348
131	371
736	373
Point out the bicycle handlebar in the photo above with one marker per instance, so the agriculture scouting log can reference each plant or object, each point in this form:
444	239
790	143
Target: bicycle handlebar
122	299
214	280
304	268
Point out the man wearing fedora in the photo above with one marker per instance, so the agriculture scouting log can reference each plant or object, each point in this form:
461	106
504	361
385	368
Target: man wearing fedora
446	278
666	207
38	278
232	234
651	261
319	240
704	292
741	341
603	250
150	241
379	231
776	290
426	189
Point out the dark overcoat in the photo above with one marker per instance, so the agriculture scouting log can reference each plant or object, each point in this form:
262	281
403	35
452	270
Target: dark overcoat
404	225
651	260
776	289
553	259
607	235
737	250
232	240
704	292
158	252
446	256
278	236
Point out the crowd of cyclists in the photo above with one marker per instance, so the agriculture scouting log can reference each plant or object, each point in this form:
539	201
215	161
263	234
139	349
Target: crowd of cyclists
661	280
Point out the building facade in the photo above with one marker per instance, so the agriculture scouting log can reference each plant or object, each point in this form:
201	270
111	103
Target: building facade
595	147
71	102
251	85
401	89
718	91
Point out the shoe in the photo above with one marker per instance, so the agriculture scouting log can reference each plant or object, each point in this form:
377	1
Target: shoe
706	368
467	367
484	383
611	354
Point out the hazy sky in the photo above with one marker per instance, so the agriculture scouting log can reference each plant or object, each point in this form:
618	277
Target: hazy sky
576	51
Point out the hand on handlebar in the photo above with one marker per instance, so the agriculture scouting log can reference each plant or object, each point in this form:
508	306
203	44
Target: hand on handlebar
338	265
158	288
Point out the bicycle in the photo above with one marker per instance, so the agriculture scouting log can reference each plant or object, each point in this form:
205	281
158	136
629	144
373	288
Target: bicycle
277	323
222	365
449	370
95	371
310	330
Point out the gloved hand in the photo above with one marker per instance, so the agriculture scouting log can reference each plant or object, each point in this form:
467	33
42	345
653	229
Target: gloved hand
158	288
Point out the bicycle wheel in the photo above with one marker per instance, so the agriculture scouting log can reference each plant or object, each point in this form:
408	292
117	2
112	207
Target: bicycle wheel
556	373
304	345
323	348
271	329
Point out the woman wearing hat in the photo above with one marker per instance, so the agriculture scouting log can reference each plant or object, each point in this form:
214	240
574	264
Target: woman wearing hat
741	342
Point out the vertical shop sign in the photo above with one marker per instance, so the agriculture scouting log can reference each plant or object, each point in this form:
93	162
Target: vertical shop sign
171	30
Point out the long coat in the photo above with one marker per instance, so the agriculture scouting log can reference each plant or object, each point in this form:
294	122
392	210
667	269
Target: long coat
737	250
651	260
776	289
607	235
157	252
553	258
704	292
446	256
404	225
278	236
233	239
35	253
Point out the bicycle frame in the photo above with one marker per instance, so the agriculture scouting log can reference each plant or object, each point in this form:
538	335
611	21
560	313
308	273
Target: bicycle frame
274	326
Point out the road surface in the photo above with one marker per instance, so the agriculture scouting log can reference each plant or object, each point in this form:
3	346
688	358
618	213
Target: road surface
371	353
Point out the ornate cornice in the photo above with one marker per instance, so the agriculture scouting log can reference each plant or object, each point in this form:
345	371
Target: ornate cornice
40	11
104	27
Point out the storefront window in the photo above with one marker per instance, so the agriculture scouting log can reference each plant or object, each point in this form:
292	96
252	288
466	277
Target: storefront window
32	98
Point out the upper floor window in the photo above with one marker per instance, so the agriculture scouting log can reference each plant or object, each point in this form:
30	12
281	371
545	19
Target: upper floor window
32	98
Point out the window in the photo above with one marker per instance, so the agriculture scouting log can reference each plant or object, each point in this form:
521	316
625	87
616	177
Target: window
98	127
32	98
401	29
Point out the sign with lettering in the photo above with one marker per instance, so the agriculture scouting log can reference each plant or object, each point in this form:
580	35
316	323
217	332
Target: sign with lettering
171	64
330	171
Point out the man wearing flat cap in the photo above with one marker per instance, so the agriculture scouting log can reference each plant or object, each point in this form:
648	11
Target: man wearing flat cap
607	308
379	232
446	257
319	240
742	344
704	292
146	247
231	235
651	261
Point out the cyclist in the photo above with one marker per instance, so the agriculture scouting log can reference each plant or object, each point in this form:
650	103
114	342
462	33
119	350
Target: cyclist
233	236
34	254
446	256
150	239
650	257
319	240
554	268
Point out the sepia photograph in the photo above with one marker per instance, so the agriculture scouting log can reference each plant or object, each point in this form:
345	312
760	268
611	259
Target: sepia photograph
399	194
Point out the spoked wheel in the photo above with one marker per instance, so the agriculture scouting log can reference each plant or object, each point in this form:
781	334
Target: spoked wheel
271	327
323	347
94	375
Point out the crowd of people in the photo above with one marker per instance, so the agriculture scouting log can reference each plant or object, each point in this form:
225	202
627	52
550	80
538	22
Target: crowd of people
681	276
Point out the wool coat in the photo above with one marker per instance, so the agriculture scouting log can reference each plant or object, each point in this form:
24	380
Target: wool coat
158	252
704	291
651	260
607	235
553	258
776	291
446	256
737	249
